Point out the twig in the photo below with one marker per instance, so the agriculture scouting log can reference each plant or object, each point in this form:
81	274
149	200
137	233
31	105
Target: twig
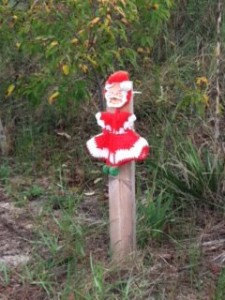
213	245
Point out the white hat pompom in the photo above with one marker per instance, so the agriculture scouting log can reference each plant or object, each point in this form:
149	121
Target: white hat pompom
126	86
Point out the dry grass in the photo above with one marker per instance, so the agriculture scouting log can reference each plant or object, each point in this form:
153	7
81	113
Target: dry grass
184	263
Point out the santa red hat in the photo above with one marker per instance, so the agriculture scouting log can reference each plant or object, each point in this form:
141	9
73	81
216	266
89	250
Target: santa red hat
121	77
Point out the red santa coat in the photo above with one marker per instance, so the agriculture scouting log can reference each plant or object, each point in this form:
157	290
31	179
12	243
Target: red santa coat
118	143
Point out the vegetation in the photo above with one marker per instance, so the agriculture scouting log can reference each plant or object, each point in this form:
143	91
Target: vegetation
54	58
46	59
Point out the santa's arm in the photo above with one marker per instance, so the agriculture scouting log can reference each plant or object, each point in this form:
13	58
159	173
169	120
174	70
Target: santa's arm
102	120
129	123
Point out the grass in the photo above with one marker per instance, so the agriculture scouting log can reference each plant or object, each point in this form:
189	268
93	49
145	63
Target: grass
71	253
180	188
4	274
4	172
154	214
220	290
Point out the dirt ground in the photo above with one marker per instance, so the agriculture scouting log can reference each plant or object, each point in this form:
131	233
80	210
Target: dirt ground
17	241
16	238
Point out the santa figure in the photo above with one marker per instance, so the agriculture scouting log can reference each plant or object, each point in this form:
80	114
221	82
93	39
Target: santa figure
118	143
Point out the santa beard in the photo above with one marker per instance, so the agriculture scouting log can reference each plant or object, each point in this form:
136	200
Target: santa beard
115	101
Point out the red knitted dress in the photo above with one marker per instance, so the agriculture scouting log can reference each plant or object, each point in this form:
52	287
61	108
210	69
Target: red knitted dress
118	143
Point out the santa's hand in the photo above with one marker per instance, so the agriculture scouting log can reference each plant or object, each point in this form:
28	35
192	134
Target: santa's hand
129	124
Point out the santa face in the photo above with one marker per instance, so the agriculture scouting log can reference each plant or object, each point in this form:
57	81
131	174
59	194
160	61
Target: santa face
115	96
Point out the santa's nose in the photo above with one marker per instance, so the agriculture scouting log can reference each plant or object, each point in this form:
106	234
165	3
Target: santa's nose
115	93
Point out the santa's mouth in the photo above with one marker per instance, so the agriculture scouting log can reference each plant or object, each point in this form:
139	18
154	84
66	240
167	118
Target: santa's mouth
115	100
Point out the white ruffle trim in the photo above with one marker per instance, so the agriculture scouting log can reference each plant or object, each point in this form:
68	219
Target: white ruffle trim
132	153
130	122
120	155
96	152
100	122
127	125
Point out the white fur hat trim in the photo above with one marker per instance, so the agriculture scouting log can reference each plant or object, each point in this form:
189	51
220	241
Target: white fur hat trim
126	86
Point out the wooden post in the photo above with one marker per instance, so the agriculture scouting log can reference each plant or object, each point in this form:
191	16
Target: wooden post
118	144
122	209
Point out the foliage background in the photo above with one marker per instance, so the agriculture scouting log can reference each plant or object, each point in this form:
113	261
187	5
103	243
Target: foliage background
62	49
55	57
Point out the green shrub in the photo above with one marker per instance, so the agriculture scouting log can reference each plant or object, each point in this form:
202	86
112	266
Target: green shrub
58	51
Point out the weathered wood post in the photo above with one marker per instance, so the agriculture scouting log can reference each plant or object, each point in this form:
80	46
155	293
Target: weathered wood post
122	208
119	146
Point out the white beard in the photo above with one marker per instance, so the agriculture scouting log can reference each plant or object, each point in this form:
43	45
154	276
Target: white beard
109	97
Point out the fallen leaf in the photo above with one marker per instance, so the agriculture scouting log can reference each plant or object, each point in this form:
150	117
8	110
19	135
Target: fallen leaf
65	69
53	44
89	193
18	45
52	97
10	90
97	180
66	135
94	21
74	41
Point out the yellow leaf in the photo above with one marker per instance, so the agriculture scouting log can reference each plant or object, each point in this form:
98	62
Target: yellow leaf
52	97
106	22
108	17
47	8
155	6
15	18
80	31
140	50
74	41
120	11
202	81
10	90
53	44
206	99
83	68
124	21
92	61
18	45
65	69
94	21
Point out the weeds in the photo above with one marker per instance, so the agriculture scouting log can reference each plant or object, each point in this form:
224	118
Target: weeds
154	214
4	173
4	274
182	179
220	289
191	174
